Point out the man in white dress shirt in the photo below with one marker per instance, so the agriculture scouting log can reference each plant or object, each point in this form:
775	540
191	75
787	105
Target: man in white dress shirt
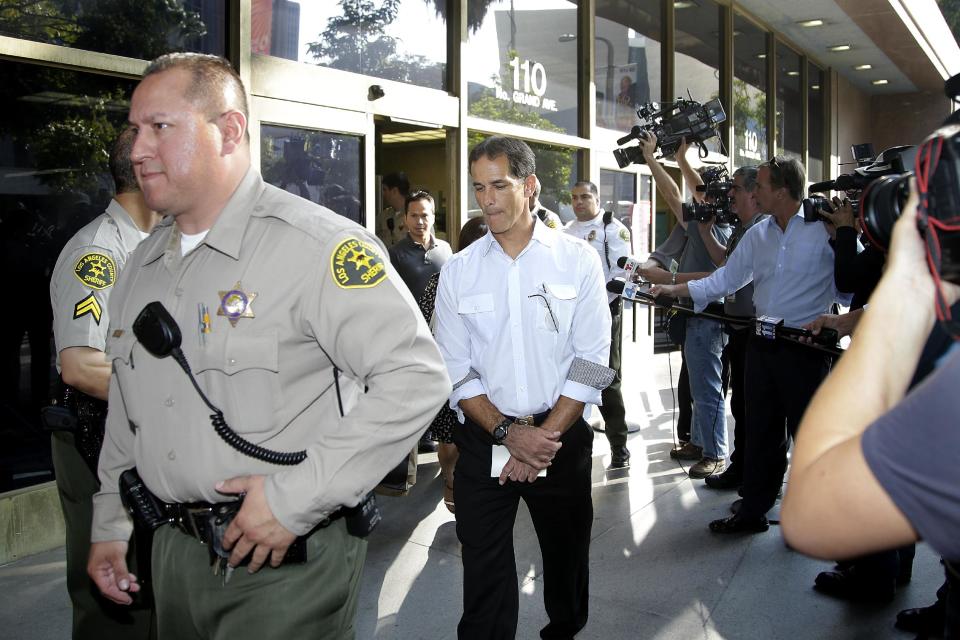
790	263
524	328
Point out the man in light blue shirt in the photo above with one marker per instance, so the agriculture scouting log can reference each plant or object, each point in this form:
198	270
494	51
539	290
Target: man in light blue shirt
790	263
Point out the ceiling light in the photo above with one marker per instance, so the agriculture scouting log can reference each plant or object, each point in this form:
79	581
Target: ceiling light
815	87
761	56
684	4
863	67
880	82
839	47
793	73
816	22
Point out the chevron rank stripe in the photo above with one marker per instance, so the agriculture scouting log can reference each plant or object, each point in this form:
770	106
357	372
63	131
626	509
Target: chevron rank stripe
88	305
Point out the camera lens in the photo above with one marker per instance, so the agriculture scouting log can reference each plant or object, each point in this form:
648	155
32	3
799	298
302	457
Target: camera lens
880	207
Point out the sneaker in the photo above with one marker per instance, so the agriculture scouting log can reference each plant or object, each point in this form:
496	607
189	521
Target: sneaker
619	457
706	467
686	451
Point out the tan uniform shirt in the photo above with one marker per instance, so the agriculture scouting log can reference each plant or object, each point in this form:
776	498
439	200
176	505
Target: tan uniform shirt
279	291
84	276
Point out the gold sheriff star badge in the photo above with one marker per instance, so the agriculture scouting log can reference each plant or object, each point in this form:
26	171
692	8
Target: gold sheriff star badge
235	304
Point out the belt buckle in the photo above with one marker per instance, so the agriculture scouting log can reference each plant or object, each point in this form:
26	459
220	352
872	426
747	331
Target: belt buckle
526	421
188	521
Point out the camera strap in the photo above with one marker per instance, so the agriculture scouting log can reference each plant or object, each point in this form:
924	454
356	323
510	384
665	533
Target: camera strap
928	157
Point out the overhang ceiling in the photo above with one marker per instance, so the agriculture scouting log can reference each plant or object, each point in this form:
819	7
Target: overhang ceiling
907	42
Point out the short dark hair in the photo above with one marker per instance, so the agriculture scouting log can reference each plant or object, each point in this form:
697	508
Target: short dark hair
419	194
588	185
519	155
787	173
397	180
472	230
214	86
121	165
749	174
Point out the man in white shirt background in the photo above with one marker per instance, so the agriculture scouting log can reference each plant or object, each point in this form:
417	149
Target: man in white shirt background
611	240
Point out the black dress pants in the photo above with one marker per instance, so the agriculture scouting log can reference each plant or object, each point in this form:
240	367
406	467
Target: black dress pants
561	508
735	353
782	378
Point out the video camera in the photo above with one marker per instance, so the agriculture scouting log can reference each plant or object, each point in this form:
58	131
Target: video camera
716	189
671	122
893	161
885	185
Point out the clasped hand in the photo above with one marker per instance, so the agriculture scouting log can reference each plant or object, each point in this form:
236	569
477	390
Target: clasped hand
532	446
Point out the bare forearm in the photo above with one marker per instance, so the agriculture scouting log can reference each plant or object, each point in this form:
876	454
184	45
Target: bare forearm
668	189
690	177
717	251
87	370
564	414
481	411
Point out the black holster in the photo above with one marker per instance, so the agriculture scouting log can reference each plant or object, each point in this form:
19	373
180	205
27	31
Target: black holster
82	415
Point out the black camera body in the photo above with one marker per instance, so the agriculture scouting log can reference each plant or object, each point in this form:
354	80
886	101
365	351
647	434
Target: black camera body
812	207
671	122
716	190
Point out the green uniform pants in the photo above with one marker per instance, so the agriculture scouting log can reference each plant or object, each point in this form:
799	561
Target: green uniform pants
612	410
317	599
94	617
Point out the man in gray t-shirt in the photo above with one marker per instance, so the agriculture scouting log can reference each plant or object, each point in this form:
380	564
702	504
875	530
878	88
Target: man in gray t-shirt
704	338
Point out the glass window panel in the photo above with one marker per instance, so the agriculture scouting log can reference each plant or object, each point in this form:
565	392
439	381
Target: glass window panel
628	61
141	29
54	137
749	93
618	193
521	63
402	40
697	53
789	103
322	167
815	124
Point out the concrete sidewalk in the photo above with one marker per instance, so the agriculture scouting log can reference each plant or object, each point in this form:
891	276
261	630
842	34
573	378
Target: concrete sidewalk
656	572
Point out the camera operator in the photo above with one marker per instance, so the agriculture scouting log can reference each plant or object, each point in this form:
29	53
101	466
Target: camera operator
790	263
704	338
855	271
864	474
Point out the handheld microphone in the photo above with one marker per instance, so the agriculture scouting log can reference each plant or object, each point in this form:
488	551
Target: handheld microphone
631	265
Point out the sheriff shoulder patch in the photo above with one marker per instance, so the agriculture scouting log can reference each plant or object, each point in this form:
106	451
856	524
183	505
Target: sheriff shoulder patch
624	235
550	222
88	306
96	271
355	264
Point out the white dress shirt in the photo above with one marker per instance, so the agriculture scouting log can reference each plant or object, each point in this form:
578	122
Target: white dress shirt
791	271
617	238
525	331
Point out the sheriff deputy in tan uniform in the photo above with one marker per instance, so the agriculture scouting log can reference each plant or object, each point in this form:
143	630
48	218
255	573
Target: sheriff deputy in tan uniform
274	296
80	287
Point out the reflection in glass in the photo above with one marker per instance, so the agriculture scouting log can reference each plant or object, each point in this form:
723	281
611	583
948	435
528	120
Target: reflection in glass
322	167
789	104
749	93
141	29
521	65
815	131
697	58
402	40
54	136
627	62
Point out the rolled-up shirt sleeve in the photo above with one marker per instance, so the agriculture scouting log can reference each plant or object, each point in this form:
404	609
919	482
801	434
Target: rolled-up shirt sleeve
453	338
590	332
731	277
